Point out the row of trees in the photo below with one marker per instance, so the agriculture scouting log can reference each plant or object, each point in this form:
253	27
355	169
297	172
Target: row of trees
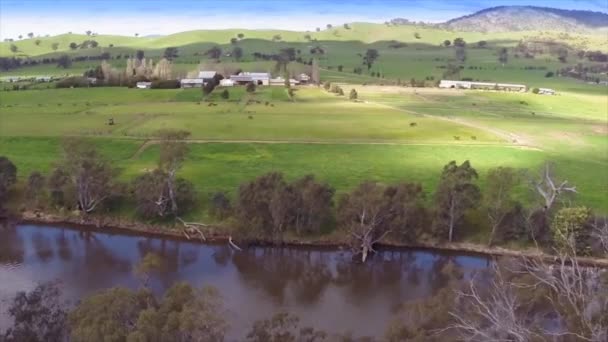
270	206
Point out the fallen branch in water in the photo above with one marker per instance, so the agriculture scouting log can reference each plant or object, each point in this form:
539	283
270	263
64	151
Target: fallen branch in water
233	245
193	226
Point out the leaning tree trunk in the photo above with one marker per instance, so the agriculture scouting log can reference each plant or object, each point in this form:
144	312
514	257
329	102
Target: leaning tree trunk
451	223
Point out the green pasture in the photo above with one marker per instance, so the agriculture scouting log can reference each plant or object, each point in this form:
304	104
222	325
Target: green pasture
362	32
341	141
268	115
223	166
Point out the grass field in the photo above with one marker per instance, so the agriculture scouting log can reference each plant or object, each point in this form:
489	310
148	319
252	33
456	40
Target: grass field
340	141
363	32
419	59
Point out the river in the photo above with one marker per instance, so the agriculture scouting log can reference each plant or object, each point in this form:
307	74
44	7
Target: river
322	286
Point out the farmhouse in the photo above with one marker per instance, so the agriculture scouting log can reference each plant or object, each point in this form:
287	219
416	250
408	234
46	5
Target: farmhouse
191	82
241	79
144	85
546	91
304	78
280	81
259	78
206	76
481	85
226	82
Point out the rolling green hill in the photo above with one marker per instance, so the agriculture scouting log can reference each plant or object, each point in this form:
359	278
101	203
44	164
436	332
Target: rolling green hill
356	32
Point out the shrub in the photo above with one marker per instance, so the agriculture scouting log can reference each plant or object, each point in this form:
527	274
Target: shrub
571	224
250	87
353	94
550	74
225	94
73	82
167	84
326	86
220	205
535	90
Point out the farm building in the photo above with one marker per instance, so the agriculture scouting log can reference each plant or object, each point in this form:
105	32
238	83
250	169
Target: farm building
280	81
144	85
481	85
206	76
304	78
546	91
241	79
191	82
259	78
226	83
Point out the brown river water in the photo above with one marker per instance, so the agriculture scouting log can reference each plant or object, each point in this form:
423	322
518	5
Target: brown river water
324	287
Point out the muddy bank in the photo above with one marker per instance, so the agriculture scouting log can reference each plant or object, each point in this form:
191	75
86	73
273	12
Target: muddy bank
220	235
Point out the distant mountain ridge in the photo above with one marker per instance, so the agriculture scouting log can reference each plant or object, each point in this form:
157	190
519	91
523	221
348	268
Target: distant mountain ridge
528	18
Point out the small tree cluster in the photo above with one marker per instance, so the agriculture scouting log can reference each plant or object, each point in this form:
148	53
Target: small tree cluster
270	206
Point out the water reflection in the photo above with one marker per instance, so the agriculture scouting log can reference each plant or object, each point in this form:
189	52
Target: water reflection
11	245
325	288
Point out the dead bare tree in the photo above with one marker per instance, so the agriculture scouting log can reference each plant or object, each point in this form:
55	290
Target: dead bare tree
490	312
192	227
363	213
547	189
578	294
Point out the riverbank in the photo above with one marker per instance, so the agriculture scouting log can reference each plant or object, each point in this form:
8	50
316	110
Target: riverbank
218	235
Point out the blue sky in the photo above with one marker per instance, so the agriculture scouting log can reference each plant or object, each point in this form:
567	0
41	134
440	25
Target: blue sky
148	17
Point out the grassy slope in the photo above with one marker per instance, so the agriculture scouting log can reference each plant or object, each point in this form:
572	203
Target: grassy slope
362	32
566	129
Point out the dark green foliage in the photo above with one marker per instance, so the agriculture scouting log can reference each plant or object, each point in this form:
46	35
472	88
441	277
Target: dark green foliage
214	52
237	53
456	193
64	61
147	186
270	206
371	55
220	205
171	53
250	87
38	316
90	175
73	82
225	94
165	84
503	56
35	188
353	94
571	228
8	177
283	327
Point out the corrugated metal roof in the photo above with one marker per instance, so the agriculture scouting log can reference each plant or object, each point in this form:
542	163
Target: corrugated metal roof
256	75
192	80
241	78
